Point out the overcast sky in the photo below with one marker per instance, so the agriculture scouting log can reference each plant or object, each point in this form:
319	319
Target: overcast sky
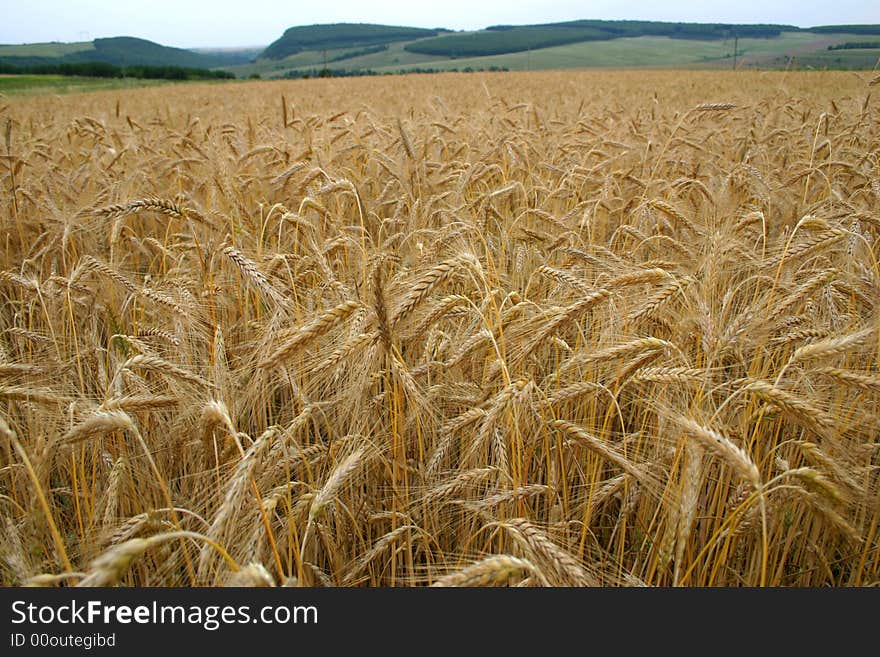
201	23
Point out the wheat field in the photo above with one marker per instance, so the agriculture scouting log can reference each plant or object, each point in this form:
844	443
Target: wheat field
514	329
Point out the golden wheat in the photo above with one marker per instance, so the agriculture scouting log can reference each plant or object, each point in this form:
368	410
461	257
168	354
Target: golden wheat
485	329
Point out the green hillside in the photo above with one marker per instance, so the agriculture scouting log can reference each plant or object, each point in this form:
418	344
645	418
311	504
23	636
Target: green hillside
355	48
653	52
502	39
131	51
340	35
117	51
798	48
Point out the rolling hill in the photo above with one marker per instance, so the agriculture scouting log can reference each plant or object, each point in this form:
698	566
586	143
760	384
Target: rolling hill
344	49
502	39
118	51
355	48
340	35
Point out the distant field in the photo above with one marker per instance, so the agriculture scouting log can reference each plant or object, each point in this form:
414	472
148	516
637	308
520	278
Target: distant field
270	67
653	52
861	58
53	49
14	85
636	52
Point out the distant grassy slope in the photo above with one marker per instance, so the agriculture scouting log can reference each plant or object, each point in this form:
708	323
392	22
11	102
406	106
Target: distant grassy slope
623	52
51	49
394	57
503	39
272	67
339	35
864	58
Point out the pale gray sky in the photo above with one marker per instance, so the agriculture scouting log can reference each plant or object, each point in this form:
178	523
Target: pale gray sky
201	23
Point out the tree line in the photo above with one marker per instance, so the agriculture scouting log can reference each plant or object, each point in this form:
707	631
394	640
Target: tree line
105	70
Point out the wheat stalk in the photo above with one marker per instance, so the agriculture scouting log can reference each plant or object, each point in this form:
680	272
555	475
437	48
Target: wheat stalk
491	571
320	325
